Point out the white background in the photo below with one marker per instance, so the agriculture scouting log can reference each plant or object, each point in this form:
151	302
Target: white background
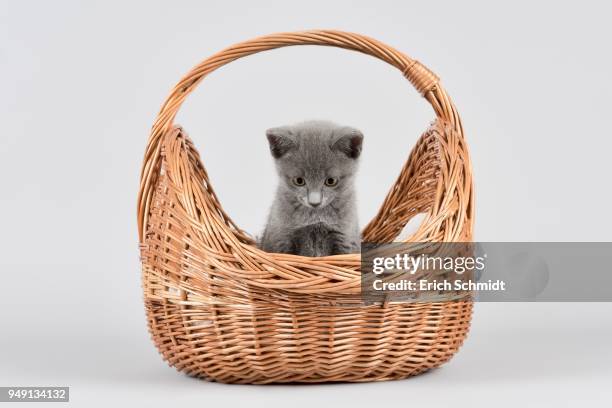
81	83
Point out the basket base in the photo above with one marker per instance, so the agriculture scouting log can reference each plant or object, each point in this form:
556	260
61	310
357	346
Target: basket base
229	344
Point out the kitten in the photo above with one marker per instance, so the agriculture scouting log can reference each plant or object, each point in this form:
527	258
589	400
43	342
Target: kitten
314	212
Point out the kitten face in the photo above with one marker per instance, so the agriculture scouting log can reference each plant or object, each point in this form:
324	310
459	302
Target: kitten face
316	161
314	189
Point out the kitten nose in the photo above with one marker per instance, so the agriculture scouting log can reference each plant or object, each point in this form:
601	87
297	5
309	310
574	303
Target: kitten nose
314	198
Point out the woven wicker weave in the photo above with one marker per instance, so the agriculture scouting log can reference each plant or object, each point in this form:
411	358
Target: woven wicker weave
221	309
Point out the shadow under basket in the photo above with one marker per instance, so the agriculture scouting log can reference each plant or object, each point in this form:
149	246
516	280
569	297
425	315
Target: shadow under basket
220	309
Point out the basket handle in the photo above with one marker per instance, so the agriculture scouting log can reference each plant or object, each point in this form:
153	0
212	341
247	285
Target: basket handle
425	82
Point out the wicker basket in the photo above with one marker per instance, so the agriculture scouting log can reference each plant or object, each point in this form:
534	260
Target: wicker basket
223	310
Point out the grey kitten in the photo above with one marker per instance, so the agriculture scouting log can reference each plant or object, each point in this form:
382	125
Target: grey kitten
314	212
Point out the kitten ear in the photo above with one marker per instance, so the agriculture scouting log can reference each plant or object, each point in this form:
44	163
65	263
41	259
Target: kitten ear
280	141
349	143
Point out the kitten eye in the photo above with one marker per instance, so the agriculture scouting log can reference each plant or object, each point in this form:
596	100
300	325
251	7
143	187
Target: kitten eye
331	181
299	181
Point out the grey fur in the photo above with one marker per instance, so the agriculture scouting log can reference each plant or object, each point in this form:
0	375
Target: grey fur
314	219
